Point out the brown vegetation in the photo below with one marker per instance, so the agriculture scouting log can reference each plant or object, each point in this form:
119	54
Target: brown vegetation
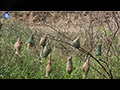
90	26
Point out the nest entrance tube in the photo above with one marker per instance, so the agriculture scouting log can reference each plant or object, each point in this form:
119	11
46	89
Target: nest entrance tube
98	51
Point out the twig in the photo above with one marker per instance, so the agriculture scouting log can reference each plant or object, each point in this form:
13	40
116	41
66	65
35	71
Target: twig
56	31
84	51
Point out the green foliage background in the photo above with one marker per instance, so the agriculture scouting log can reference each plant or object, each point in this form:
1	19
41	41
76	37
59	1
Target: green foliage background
31	66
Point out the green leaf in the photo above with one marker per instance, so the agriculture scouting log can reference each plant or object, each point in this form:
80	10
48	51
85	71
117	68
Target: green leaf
101	29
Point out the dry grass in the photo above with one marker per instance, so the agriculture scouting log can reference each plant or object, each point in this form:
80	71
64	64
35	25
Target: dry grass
65	27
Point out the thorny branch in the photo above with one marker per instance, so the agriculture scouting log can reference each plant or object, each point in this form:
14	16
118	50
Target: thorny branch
84	51
111	41
87	52
78	55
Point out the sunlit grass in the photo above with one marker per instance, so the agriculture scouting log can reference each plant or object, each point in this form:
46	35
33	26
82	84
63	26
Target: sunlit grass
27	65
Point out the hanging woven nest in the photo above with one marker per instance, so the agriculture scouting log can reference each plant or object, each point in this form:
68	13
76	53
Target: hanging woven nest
85	68
28	46
76	43
31	41
47	49
43	41
69	66
17	46
49	66
98	51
